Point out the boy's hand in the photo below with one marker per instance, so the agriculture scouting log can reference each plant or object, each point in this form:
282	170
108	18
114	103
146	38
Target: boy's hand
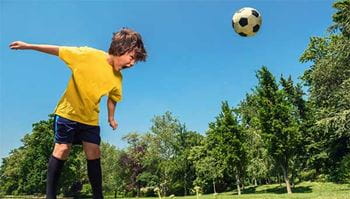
19	45
113	123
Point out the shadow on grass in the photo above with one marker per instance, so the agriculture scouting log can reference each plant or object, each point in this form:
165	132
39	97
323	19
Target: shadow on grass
278	190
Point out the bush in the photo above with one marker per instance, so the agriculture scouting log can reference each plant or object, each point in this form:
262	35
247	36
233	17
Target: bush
147	192
322	178
177	189
86	190
342	174
308	175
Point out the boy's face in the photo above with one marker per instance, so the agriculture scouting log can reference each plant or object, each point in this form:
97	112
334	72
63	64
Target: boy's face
126	60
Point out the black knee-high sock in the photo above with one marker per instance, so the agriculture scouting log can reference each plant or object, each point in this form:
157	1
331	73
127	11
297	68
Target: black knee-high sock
95	177
53	174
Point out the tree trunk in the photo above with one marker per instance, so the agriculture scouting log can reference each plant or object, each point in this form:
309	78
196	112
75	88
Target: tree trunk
138	190
292	178
255	182
286	179
238	186
214	187
185	183
279	180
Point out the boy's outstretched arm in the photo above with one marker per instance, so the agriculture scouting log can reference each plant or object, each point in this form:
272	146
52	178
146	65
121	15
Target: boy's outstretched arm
20	45
111	109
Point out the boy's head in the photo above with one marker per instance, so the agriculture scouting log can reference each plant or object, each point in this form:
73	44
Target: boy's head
128	41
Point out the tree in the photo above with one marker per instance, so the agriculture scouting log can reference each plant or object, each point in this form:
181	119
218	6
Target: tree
227	142
169	147
24	171
258	159
279	122
10	172
132	162
209	167
165	132
185	173
328	79
341	18
111	170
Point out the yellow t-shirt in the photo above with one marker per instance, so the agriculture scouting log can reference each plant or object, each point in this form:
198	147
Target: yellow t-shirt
92	77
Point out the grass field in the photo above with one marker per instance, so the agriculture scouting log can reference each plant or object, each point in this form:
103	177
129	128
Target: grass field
305	190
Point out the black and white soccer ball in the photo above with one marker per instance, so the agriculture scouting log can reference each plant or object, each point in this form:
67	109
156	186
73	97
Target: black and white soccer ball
246	21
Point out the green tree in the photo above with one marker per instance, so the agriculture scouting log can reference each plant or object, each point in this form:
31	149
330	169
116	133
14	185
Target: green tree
165	132
111	170
341	18
209	167
186	172
227	141
328	79
293	95
258	159
169	146
279	124
24	171
10	177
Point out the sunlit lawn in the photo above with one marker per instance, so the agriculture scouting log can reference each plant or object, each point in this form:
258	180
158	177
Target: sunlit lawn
305	190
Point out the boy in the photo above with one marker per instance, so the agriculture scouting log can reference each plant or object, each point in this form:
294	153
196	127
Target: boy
95	73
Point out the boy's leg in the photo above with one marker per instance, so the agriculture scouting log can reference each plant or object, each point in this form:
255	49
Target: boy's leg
92	152
61	151
56	162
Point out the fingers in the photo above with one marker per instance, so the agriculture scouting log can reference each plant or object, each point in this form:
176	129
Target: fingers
17	45
14	45
114	125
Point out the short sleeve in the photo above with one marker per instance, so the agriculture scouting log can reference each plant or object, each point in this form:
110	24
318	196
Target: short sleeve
115	94
71	55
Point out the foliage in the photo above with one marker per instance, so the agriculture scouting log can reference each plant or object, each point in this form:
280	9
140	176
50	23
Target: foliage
24	171
223	153
341	18
111	170
171	143
329	83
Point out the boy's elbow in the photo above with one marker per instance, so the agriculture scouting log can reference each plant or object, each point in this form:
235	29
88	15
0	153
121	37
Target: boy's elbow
55	51
110	100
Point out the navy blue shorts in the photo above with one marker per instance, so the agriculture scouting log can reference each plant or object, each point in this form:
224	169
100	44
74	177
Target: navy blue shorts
72	132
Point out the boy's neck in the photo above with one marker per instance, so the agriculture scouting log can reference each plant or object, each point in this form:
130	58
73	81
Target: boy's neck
111	62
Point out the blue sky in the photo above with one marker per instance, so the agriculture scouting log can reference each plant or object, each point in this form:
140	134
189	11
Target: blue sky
195	58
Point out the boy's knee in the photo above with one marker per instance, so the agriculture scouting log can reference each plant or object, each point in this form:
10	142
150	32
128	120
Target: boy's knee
92	151
61	151
92	154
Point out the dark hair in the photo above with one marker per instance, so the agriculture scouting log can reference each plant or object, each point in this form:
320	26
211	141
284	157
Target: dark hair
127	40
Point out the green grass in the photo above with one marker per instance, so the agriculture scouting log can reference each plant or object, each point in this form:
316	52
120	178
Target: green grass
305	190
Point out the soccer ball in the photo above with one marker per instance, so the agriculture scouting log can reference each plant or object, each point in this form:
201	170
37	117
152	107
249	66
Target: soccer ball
246	21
